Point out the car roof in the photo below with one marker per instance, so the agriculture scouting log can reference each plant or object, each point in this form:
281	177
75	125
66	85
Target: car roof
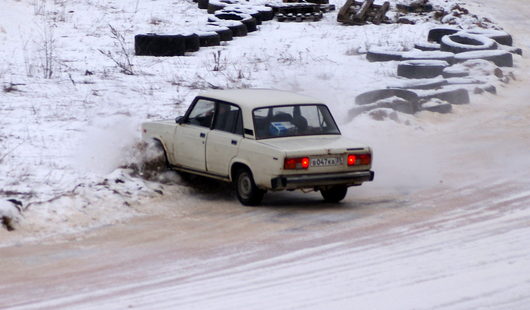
258	97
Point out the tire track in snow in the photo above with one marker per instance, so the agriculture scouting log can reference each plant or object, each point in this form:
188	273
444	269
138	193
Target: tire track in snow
399	261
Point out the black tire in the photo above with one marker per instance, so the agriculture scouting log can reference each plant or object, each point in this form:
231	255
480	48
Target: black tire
375	95
436	34
159	45
192	42
306	8
251	24
203	4
209	39
500	37
257	17
511	49
237	28
374	55
326	7
427	46
334	194
434	83
318	1
230	15
498	57
465	42
246	190
454	96
266	13
225	34
244	11
442	107
406	101
249	21
299	17
465	81
432	55
487	88
155	162
215	6
454	72
421	69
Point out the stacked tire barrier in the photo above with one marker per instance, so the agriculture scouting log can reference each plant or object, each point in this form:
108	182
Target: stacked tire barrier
435	71
159	45
227	19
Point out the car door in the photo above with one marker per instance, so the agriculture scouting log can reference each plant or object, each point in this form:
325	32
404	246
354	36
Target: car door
224	139
192	134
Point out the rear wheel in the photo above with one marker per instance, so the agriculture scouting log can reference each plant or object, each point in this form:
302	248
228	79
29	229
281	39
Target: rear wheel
334	194
247	191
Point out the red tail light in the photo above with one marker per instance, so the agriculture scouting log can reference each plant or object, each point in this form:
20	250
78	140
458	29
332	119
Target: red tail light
359	159
365	159
296	163
351	159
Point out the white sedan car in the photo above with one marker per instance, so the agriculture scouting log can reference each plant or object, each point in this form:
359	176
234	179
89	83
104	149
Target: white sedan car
263	140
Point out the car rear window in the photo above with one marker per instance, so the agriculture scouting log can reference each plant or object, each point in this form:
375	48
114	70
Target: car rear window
293	120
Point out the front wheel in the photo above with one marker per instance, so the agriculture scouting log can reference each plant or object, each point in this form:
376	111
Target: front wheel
154	160
334	194
247	191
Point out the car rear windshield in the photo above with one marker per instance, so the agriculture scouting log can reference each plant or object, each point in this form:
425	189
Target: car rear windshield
293	120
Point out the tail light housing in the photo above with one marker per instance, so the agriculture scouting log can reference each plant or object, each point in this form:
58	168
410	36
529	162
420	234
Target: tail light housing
296	163
359	159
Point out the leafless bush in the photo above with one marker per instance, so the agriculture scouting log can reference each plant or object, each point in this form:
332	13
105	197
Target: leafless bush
39	7
156	21
199	82
354	51
123	58
48	52
219	62
237	77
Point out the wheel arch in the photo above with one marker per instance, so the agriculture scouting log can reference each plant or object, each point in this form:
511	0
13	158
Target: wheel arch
158	141
236	165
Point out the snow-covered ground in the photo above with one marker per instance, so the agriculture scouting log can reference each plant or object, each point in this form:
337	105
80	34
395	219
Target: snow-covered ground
444	225
63	137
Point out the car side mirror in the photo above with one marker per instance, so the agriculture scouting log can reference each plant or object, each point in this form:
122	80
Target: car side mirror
179	119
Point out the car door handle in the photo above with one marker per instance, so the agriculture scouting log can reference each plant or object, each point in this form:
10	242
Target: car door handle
234	142
202	135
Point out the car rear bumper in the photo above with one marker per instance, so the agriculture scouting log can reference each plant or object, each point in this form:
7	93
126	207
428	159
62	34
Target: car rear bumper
316	180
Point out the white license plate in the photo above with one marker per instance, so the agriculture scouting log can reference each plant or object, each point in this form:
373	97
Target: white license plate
326	161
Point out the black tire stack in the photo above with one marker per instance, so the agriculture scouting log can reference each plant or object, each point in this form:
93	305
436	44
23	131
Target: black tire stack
430	72
228	19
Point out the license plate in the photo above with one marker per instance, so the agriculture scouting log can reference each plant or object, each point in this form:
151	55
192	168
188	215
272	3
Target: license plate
326	161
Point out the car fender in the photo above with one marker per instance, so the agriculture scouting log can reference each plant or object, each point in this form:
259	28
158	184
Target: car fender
236	160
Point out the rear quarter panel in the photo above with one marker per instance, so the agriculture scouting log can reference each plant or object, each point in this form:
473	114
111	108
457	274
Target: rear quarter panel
264	161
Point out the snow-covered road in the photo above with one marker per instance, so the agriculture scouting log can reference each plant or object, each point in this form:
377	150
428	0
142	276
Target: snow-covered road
460	241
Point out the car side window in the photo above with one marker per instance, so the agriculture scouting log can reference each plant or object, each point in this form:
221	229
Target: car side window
202	113
228	118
